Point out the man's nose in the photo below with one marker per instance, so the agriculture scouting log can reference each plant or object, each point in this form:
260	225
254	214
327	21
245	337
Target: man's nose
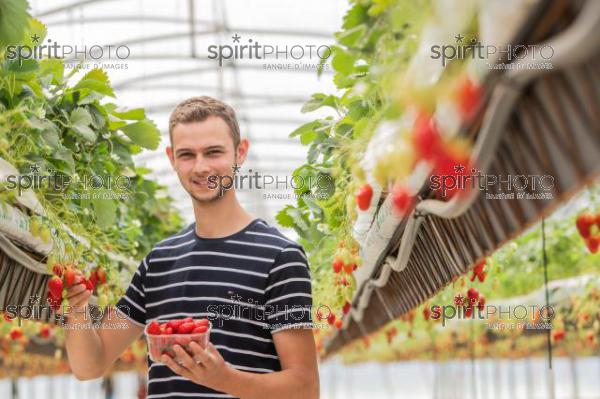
201	166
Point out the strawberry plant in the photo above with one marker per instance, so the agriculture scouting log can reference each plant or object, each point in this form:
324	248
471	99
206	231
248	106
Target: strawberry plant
66	129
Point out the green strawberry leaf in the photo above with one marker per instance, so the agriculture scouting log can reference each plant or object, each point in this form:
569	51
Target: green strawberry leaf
143	133
80	123
13	20
97	81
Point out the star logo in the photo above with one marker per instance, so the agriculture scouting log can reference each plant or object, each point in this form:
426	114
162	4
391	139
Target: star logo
459	38
235	168
459	168
35	168
458	299
236	38
236	298
35	38
35	298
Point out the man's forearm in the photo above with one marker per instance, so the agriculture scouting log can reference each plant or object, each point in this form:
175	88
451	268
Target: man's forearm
84	346
289	384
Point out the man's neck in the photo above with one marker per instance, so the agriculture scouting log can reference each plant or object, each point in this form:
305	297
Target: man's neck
220	218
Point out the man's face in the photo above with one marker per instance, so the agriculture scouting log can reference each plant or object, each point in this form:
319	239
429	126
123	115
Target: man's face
203	149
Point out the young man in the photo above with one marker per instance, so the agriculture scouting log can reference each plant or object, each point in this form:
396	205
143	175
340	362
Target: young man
245	276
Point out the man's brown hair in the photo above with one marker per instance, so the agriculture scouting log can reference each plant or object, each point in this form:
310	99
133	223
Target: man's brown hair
198	109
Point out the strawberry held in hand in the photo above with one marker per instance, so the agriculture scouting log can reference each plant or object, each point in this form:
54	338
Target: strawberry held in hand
55	286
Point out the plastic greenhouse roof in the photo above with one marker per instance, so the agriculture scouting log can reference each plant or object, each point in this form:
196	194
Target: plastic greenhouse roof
159	56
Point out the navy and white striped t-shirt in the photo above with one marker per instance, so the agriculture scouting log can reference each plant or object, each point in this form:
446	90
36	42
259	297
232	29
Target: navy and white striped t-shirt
251	285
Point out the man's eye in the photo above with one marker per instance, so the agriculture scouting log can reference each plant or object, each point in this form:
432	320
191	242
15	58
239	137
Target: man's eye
213	153
185	154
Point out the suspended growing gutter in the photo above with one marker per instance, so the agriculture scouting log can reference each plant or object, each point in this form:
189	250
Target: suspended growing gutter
535	122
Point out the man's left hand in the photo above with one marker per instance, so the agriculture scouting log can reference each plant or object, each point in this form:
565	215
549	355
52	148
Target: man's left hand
205	367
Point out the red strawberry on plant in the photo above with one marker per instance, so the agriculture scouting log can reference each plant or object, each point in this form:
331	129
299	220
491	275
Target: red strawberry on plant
44	331
469	311
55	286
453	167
319	315
337	265
331	318
402	200
478	271
593	243
481	303
58	269
472	294
584	223
558	335
93	278
364	196
101	275
16	333
338	324
426	139
346	307
426	313
469	96
349	267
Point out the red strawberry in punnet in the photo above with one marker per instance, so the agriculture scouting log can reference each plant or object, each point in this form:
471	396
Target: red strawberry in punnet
201	323
174	324
185	328
154	328
200	330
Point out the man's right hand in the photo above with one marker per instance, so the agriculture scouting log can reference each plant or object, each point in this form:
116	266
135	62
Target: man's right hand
78	295
91	351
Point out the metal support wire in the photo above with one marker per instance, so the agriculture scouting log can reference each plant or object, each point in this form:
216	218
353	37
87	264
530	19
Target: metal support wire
549	373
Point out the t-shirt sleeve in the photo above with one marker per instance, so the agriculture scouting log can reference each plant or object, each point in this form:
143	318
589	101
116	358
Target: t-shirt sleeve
289	291
133	303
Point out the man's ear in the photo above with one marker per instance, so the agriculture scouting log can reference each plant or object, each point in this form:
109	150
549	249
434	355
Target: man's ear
169	150
242	151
